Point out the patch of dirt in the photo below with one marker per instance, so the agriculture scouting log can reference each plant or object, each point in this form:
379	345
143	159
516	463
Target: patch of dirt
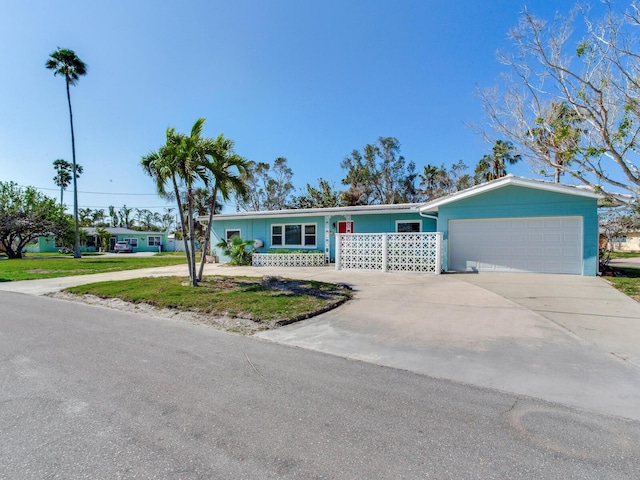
237	325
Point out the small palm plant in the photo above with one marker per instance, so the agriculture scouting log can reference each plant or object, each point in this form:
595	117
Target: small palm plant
238	250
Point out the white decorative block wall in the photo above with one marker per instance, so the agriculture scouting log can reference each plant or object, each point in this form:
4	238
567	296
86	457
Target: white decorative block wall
288	259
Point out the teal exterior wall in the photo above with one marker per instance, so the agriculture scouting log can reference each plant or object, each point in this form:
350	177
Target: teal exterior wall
143	241
514	201
260	228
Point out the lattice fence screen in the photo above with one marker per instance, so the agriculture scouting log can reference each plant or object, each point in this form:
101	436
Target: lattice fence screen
288	259
393	252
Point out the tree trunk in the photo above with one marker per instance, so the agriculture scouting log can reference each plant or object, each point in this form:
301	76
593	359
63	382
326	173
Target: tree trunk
192	240
183	228
76	249
207	234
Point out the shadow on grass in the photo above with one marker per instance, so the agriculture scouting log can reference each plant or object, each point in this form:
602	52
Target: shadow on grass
628	272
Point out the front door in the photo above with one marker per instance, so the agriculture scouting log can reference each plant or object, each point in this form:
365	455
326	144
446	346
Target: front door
345	226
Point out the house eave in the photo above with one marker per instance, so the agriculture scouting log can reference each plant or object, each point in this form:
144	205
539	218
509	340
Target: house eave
314	212
433	206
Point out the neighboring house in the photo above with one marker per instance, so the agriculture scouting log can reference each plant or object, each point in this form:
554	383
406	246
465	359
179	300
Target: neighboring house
140	241
629	242
510	224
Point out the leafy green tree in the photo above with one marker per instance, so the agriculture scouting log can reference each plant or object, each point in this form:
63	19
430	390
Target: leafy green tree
268	188
66	63
494	165
125	216
322	196
25	215
379	175
223	171
63	174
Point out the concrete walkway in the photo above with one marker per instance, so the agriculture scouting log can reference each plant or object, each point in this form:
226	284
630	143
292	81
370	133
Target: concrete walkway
569	339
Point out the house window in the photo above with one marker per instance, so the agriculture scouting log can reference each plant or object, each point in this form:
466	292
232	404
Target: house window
154	241
294	235
230	233
411	226
131	241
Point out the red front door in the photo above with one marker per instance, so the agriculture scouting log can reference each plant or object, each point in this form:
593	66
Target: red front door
345	227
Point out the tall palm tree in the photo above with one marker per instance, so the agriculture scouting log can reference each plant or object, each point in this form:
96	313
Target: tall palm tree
224	170
66	63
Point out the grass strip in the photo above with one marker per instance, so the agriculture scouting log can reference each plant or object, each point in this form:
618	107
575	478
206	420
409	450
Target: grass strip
270	300
32	268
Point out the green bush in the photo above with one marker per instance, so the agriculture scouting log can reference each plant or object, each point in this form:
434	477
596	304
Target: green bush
238	250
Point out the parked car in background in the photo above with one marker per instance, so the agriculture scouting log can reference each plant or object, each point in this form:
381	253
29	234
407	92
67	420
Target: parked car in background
122	247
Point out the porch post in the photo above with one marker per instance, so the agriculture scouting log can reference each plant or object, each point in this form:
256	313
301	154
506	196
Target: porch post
327	239
338	247
438	265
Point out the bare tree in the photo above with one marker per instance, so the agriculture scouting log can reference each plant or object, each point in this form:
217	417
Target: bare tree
572	102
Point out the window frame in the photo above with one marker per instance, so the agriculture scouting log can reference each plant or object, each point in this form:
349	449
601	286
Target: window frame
131	241
419	222
226	233
303	235
154	244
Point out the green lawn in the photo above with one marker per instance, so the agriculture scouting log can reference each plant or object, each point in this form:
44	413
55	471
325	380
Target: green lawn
250	298
628	281
34	267
623	254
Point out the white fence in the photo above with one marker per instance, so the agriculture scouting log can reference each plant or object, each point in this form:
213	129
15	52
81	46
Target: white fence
390	252
287	259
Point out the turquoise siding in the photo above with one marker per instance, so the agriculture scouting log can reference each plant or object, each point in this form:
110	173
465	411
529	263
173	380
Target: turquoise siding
260	228
143	241
515	202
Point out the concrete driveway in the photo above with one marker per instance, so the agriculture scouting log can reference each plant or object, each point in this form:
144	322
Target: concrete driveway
569	339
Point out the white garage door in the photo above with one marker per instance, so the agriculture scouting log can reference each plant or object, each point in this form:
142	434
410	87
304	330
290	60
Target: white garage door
536	244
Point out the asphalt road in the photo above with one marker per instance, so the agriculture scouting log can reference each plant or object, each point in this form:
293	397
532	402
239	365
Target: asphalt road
87	392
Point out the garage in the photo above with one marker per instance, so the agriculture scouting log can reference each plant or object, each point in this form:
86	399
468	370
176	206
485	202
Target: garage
515	224
536	244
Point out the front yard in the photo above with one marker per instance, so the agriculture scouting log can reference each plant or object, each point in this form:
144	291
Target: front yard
31	268
244	304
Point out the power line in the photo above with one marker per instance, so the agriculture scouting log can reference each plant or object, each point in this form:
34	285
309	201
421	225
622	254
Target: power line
93	193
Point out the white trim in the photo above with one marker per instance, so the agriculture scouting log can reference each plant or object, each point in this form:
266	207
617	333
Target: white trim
419	222
502	182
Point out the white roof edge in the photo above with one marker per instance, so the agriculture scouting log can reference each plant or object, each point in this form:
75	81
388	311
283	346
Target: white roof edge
433	205
314	212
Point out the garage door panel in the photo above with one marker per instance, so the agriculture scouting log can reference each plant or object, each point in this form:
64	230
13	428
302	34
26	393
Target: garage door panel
545	245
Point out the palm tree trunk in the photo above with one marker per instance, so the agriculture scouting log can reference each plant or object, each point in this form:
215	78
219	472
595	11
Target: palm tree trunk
207	233
192	239
76	249
183	228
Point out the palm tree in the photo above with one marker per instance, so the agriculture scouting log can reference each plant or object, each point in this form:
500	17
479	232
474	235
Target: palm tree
224	170
63	174
494	165
556	139
174	163
65	62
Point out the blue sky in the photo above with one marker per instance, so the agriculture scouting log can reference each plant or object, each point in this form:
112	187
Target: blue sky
309	81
